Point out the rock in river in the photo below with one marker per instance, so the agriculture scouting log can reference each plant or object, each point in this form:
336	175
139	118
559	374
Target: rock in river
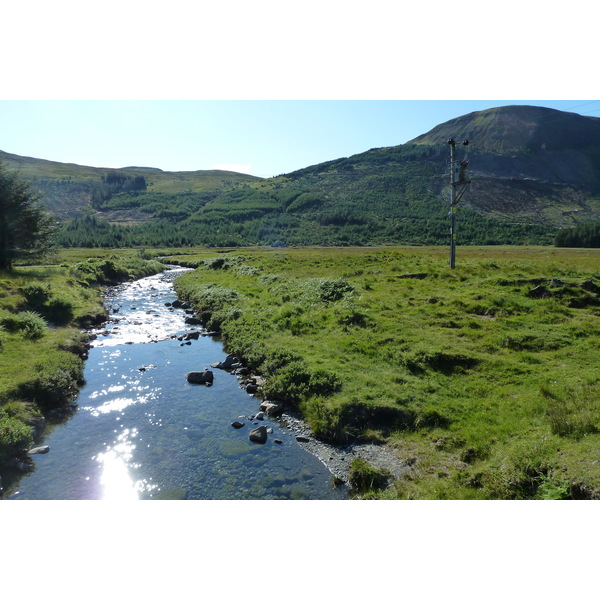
39	450
258	435
271	408
205	377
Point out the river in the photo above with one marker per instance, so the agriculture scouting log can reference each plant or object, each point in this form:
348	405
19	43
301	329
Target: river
141	431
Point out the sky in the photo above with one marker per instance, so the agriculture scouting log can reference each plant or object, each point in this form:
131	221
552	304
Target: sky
260	137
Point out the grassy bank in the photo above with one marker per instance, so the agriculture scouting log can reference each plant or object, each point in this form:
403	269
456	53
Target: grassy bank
43	310
484	379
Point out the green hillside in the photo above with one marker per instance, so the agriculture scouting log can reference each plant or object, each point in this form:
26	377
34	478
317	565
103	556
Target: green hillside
70	190
534	171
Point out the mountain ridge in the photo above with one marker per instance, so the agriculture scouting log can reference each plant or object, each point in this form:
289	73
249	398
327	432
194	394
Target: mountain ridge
534	170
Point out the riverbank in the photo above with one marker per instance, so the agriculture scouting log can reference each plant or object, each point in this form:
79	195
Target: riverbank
44	312
452	371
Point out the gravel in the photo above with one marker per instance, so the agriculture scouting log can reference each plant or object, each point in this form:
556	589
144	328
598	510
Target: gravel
339	458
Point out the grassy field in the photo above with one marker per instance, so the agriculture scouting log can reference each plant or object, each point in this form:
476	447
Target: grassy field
484	379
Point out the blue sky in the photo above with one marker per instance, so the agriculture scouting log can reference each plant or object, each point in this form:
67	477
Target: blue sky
263	138
265	87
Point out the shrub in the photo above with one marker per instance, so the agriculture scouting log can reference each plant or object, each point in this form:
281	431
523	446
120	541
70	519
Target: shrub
37	294
219	317
59	310
325	420
355	318
29	324
364	477
331	290
294	382
15	436
56	381
212	297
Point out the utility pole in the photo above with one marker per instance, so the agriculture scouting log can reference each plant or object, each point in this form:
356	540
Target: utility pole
458	181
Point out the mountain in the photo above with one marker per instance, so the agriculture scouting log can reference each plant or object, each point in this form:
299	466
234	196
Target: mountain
533	171
529	162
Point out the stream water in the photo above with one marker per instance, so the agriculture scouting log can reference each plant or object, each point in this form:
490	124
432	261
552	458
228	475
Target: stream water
141	431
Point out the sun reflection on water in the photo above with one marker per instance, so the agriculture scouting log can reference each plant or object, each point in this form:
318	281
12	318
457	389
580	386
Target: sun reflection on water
119	404
115	477
116	464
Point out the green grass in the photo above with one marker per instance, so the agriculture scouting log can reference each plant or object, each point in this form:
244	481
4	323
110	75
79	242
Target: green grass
488	386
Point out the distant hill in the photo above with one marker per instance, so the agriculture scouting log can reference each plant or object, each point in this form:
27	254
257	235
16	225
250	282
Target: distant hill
68	189
534	170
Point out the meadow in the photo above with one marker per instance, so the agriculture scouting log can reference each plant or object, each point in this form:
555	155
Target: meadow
484	379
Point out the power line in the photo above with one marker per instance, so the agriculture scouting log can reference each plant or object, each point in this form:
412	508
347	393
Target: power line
584	104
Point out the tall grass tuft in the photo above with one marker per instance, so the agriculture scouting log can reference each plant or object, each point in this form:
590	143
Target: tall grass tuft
29	324
573	411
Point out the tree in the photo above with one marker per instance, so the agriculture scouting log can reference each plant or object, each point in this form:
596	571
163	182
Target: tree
26	231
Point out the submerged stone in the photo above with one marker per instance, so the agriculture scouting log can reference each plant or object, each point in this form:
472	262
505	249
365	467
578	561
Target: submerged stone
258	435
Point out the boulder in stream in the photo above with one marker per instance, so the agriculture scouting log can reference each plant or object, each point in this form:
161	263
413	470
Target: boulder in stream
193	321
205	377
258	435
38	450
271	408
230	362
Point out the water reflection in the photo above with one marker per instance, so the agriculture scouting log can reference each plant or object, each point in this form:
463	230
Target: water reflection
115	477
116	464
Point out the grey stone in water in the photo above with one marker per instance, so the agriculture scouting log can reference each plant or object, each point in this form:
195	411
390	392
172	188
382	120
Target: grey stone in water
260	416
205	377
230	362
258	435
271	408
39	450
237	424
193	321
301	438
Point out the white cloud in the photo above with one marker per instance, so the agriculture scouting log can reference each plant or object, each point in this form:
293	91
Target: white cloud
232	167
